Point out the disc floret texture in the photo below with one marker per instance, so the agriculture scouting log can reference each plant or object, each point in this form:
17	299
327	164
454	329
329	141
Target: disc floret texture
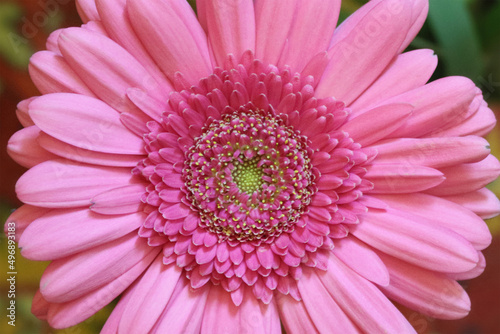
249	166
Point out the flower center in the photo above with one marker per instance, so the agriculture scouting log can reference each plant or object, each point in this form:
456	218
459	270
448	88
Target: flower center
249	176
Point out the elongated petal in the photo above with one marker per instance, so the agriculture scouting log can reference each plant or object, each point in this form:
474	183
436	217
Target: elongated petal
72	277
425	291
105	67
20	219
231	28
434	152
22	112
59	234
273	20
409	71
482	202
84	122
51	74
381	121
294	315
362	259
120	200
87	10
375	33
311	31
62	184
172	35
441	212
365	305
416	241
73	312
147	302
402	178
24	148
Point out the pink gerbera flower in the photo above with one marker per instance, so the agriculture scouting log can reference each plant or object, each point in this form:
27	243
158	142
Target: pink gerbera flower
249	166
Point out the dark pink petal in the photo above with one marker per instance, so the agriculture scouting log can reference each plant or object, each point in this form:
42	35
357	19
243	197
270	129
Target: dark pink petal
24	148
416	241
62	184
66	232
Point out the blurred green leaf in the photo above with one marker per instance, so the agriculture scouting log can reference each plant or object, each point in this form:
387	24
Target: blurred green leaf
459	45
13	46
489	27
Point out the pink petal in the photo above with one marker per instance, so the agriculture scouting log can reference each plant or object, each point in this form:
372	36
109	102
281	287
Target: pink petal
473	273
24	148
419	11
381	121
173	37
39	306
273	20
115	20
122	200
434	152
402	178
322	308
482	202
22	112
362	48
73	312
52	44
294	315
149	299
60	183
79	154
441	212
231	28
362	259
479	124
416	241
311	31
51	74
184	311
111	325
84	122
87	10
75	276
20	219
59	233
409	71
467	177
107	68
222	316
367	307
425	291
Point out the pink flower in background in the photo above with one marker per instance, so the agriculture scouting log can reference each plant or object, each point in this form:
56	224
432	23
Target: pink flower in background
249	166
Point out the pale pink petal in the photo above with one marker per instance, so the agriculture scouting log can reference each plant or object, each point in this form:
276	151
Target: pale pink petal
52	42
402	178
107	68
171	33
78	154
479	124
367	307
120	200
409	71
467	177
475	272
362	50
425	291
24	148
149	299
184	311
66	232
74	276
433	152
73	312
51	74
62	184
111	325
362	259
115	20
436	104
294	316
311	31
416	241
87	10
381	121
84	122
20	219
441	212
273	20
482	202
322	308
22	112
252	316
231	28
419	11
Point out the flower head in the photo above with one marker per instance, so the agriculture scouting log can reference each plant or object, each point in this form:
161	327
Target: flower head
250	165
